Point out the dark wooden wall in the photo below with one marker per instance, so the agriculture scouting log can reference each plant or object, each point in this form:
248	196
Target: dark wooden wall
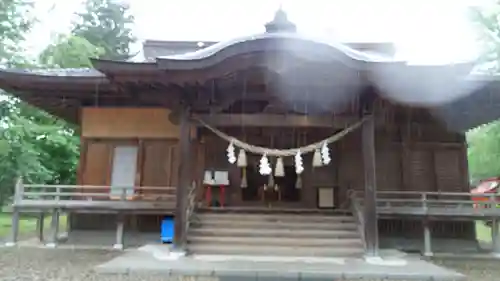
413	152
157	165
312	178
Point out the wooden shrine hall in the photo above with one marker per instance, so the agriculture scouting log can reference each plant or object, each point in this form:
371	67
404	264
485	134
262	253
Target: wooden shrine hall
328	146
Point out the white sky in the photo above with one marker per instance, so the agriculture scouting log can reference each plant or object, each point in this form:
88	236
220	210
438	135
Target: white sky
426	31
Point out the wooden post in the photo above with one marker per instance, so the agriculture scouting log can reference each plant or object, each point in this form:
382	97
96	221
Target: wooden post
424	202
14	228
184	181
40	225
495	237
370	204
120	227
64	235
54	229
18	197
427	238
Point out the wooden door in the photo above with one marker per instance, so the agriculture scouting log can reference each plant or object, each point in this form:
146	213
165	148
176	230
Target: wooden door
96	165
123	170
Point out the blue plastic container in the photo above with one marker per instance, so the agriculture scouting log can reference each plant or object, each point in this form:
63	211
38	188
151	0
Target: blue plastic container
167	230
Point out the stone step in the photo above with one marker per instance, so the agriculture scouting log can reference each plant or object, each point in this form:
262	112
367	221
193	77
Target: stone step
276	241
224	249
275	217
266	232
254	224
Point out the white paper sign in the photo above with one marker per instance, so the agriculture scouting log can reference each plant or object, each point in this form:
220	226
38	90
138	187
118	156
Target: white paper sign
221	178
208	178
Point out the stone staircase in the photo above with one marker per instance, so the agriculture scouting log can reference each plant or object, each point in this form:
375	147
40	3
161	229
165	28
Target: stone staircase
275	234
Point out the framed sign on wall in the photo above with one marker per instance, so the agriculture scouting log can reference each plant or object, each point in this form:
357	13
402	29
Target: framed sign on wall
326	197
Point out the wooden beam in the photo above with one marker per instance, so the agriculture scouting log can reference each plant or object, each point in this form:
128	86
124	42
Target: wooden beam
370	209
184	181
275	120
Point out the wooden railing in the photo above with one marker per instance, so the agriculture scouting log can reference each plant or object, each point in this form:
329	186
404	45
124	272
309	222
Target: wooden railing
92	196
190	208
357	212
438	203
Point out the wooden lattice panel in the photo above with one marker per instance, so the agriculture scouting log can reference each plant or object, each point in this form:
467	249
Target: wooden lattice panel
161	162
421	170
388	169
448	170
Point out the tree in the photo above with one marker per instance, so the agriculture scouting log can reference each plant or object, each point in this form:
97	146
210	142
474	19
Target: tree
484	141
15	22
487	22
70	52
106	24
484	146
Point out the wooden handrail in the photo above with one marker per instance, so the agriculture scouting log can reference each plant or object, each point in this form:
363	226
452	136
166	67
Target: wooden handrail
153	188
45	192
190	208
430	200
357	212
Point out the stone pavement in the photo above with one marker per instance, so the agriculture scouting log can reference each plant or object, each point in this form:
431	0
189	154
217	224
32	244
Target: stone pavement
156	259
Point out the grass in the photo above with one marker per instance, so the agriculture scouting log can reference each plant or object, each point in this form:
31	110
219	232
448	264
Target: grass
483	233
27	225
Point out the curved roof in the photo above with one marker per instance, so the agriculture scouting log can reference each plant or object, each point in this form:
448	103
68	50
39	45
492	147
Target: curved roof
280	36
308	48
405	83
67	73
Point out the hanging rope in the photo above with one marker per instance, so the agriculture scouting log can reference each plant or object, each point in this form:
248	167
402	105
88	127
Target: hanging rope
282	152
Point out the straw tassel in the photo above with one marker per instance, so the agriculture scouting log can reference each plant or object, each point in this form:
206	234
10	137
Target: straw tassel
244	182
317	160
279	170
270	182
298	183
242	159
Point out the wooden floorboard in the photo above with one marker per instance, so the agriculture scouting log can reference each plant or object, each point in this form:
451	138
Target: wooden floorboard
271	210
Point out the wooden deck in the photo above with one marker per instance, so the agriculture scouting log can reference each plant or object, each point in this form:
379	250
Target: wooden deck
424	206
56	199
147	200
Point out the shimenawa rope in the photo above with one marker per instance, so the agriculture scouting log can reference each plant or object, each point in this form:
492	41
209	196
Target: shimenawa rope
282	152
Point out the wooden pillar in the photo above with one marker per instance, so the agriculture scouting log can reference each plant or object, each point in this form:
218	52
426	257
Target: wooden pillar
54	229
14	228
184	181
69	217
18	197
120	227
495	237
40	225
427	238
370	208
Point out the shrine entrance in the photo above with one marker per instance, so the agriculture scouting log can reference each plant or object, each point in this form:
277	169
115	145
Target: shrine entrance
278	191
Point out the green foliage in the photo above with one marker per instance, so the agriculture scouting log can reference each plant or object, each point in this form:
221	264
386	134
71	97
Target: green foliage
106	24
484	141
487	21
70	52
484	151
34	144
15	22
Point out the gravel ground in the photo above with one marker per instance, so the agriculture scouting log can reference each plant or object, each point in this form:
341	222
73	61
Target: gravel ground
27	264
476	270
